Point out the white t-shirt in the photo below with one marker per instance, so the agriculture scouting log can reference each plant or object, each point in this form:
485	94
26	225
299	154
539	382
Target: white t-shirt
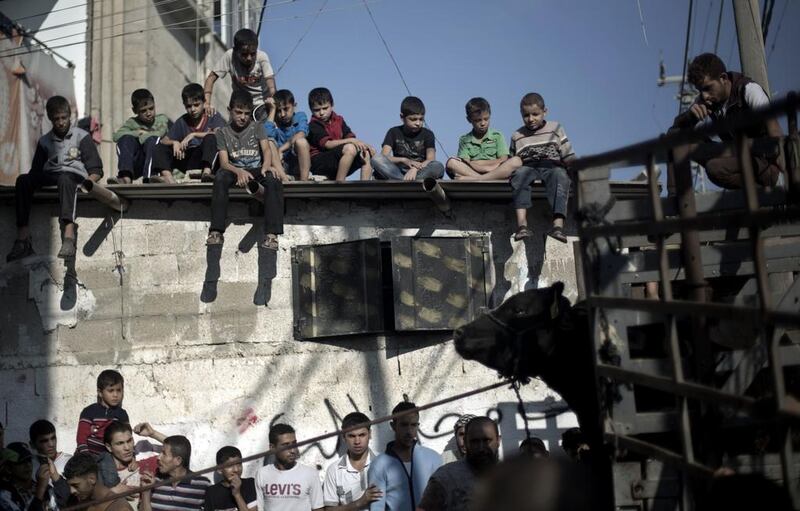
343	483
296	489
253	81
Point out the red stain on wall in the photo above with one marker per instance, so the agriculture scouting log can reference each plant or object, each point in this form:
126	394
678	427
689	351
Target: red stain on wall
246	419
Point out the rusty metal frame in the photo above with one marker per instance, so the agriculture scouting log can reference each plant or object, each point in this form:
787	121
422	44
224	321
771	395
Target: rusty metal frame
605	297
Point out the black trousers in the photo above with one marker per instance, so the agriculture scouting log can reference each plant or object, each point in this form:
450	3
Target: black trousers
273	200
68	184
195	157
135	160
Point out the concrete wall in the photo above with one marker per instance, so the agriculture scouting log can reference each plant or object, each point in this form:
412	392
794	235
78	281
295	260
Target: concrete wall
140	44
220	371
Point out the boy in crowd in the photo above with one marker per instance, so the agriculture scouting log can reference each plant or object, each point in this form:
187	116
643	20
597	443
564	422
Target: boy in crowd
245	155
174	462
18	492
44	442
286	484
190	142
85	484
137	138
65	156
409	150
289	130
482	149
335	151
249	68
450	488
232	492
121	466
533	447
96	417
460	450
345	487
402	472
724	95
541	151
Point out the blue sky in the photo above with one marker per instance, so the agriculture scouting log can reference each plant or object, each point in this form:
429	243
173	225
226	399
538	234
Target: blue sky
588	59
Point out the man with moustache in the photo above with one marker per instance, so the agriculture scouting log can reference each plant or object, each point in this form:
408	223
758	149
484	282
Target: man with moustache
450	487
402	472
287	485
173	462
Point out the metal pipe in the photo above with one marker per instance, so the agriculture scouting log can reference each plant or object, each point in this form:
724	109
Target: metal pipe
436	194
255	190
104	195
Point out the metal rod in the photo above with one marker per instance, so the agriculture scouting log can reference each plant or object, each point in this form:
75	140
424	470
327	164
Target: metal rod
437	195
685	389
689	308
671	457
104	195
255	190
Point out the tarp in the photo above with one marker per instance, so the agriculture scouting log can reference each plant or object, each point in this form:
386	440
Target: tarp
26	81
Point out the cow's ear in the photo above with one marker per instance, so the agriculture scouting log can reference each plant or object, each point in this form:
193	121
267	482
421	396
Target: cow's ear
558	288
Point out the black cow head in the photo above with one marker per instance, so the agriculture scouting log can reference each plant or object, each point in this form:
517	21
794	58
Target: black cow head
517	336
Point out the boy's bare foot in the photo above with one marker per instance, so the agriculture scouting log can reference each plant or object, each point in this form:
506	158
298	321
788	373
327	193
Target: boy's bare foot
121	180
167	177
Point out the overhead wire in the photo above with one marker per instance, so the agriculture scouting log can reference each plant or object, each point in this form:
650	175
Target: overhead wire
705	29
719	25
397	66
26	51
262	455
303	36
685	56
641	20
778	29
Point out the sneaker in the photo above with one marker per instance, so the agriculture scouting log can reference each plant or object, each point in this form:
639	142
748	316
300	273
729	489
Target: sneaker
270	242
20	250
215	238
68	249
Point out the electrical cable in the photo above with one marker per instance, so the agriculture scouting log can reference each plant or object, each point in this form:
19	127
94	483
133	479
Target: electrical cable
641	20
705	29
685	57
28	51
719	25
778	29
303	36
261	17
766	18
264	454
397	67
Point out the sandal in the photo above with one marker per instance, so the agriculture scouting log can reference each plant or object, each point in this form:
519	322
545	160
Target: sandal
523	231
270	242
557	233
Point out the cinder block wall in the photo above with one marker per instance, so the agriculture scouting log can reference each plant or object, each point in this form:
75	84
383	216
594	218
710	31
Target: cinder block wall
221	372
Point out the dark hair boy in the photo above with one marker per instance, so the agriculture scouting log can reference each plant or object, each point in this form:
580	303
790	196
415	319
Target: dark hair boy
345	487
289	129
174	461
84	483
724	95
286	483
409	150
137	138
249	67
481	150
42	434
232	492
96	417
245	155
65	156
335	151
190	142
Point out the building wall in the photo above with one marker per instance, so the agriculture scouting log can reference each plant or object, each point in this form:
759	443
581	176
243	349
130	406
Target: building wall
147	44
218	367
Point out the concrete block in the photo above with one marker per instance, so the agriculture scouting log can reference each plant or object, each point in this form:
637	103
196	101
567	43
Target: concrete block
144	331
156	270
159	301
101	336
231	296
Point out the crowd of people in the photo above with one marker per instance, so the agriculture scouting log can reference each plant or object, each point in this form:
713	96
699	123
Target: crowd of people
36	476
283	144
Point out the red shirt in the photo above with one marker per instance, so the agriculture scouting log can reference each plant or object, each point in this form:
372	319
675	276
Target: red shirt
319	132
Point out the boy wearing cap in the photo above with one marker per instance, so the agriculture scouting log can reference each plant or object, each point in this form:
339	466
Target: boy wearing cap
18	492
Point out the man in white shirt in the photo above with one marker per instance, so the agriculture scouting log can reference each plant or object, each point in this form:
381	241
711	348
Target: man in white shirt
287	485
346	487
725	95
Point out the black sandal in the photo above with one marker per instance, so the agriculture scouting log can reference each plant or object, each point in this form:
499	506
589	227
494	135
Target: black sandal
523	231
557	233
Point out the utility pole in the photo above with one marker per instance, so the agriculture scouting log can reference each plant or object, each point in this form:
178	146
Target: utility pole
751	41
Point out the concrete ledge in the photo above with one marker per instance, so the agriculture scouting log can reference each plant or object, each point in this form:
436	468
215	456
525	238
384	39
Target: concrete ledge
352	190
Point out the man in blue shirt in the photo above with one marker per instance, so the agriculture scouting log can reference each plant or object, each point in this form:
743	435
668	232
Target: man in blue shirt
402	472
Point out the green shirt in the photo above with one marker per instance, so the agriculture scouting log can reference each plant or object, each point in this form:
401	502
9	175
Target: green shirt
491	147
132	127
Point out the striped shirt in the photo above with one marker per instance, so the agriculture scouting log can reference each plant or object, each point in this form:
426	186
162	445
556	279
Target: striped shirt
188	494
93	422
548	143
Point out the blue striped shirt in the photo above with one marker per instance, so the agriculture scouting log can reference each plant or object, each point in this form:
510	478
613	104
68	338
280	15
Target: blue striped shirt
188	494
